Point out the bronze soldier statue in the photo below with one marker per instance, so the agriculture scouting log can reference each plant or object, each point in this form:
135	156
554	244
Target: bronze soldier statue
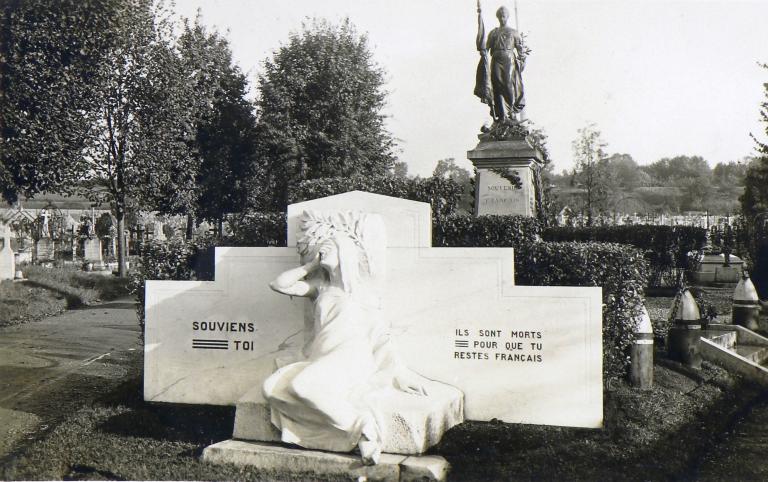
499	82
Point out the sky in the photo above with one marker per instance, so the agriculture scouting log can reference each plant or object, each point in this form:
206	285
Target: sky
657	78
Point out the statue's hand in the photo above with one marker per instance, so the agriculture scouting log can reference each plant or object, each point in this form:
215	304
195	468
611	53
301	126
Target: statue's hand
408	382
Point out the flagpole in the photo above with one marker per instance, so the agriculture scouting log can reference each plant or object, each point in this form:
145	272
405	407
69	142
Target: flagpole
517	24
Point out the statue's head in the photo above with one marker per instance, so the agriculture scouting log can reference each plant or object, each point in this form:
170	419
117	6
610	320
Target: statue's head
353	243
502	14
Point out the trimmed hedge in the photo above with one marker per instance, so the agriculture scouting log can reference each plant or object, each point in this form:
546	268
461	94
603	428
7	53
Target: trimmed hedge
443	194
176	259
622	272
258	229
666	248
465	230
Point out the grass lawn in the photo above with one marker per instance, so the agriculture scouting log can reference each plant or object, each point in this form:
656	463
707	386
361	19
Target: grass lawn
49	291
661	434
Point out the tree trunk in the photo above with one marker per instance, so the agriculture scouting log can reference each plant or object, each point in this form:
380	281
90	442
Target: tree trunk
122	270
220	227
190	226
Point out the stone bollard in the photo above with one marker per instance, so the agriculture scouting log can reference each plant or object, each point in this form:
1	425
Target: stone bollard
641	354
683	339
746	304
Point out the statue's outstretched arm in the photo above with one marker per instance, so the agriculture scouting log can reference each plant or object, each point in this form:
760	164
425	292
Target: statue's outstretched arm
403	378
292	282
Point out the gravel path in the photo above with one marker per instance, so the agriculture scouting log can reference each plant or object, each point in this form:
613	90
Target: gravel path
51	368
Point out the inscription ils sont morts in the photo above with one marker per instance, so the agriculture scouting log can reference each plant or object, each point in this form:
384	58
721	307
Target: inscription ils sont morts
504	153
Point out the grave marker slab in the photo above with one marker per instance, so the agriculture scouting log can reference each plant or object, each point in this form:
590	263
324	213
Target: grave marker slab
7	257
92	250
45	250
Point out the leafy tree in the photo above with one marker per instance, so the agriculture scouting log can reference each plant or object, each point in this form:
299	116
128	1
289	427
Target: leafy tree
50	53
625	172
225	138
447	169
548	206
400	169
139	145
320	109
754	206
95	99
726	175
754	201
669	171
590	171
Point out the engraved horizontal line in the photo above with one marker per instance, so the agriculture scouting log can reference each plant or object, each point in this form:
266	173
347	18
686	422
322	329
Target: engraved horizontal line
210	348
212	341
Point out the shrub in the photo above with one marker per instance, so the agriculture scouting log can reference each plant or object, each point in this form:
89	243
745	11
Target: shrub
443	194
258	229
668	249
175	259
620	270
22	302
78	287
463	230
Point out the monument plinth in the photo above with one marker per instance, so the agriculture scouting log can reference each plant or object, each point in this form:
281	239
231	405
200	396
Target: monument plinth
499	163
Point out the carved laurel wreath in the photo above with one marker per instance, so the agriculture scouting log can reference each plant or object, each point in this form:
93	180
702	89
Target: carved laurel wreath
318	226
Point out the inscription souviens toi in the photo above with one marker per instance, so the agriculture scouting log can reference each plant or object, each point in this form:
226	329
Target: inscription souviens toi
223	327
499	345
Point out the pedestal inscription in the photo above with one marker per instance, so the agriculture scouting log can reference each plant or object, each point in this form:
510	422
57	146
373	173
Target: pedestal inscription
497	162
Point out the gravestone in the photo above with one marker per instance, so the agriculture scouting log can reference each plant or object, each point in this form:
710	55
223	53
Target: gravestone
92	250
496	161
45	250
713	269
157	232
7	257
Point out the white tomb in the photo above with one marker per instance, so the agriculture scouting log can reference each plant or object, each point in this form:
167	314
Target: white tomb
520	354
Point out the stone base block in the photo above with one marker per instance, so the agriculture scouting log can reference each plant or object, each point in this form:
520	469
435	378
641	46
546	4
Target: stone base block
314	463
412	423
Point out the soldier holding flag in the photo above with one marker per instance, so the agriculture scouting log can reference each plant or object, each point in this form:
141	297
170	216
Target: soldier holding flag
499	82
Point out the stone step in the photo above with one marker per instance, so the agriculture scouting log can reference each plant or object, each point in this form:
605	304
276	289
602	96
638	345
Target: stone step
314	464
755	353
726	340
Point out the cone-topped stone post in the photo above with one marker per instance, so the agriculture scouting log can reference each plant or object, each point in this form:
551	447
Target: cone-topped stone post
684	336
641	353
746	304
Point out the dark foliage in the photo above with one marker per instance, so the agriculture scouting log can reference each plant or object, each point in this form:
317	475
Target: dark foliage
620	270
442	193
666	248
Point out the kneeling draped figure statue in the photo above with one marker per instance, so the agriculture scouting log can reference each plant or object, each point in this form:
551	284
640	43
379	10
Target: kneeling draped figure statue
323	401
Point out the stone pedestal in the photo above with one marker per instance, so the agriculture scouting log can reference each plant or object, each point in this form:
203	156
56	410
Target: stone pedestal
45	250
411	423
92	250
314	464
712	269
494	194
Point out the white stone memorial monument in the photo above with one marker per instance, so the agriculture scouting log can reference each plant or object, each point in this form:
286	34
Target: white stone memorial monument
455	319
